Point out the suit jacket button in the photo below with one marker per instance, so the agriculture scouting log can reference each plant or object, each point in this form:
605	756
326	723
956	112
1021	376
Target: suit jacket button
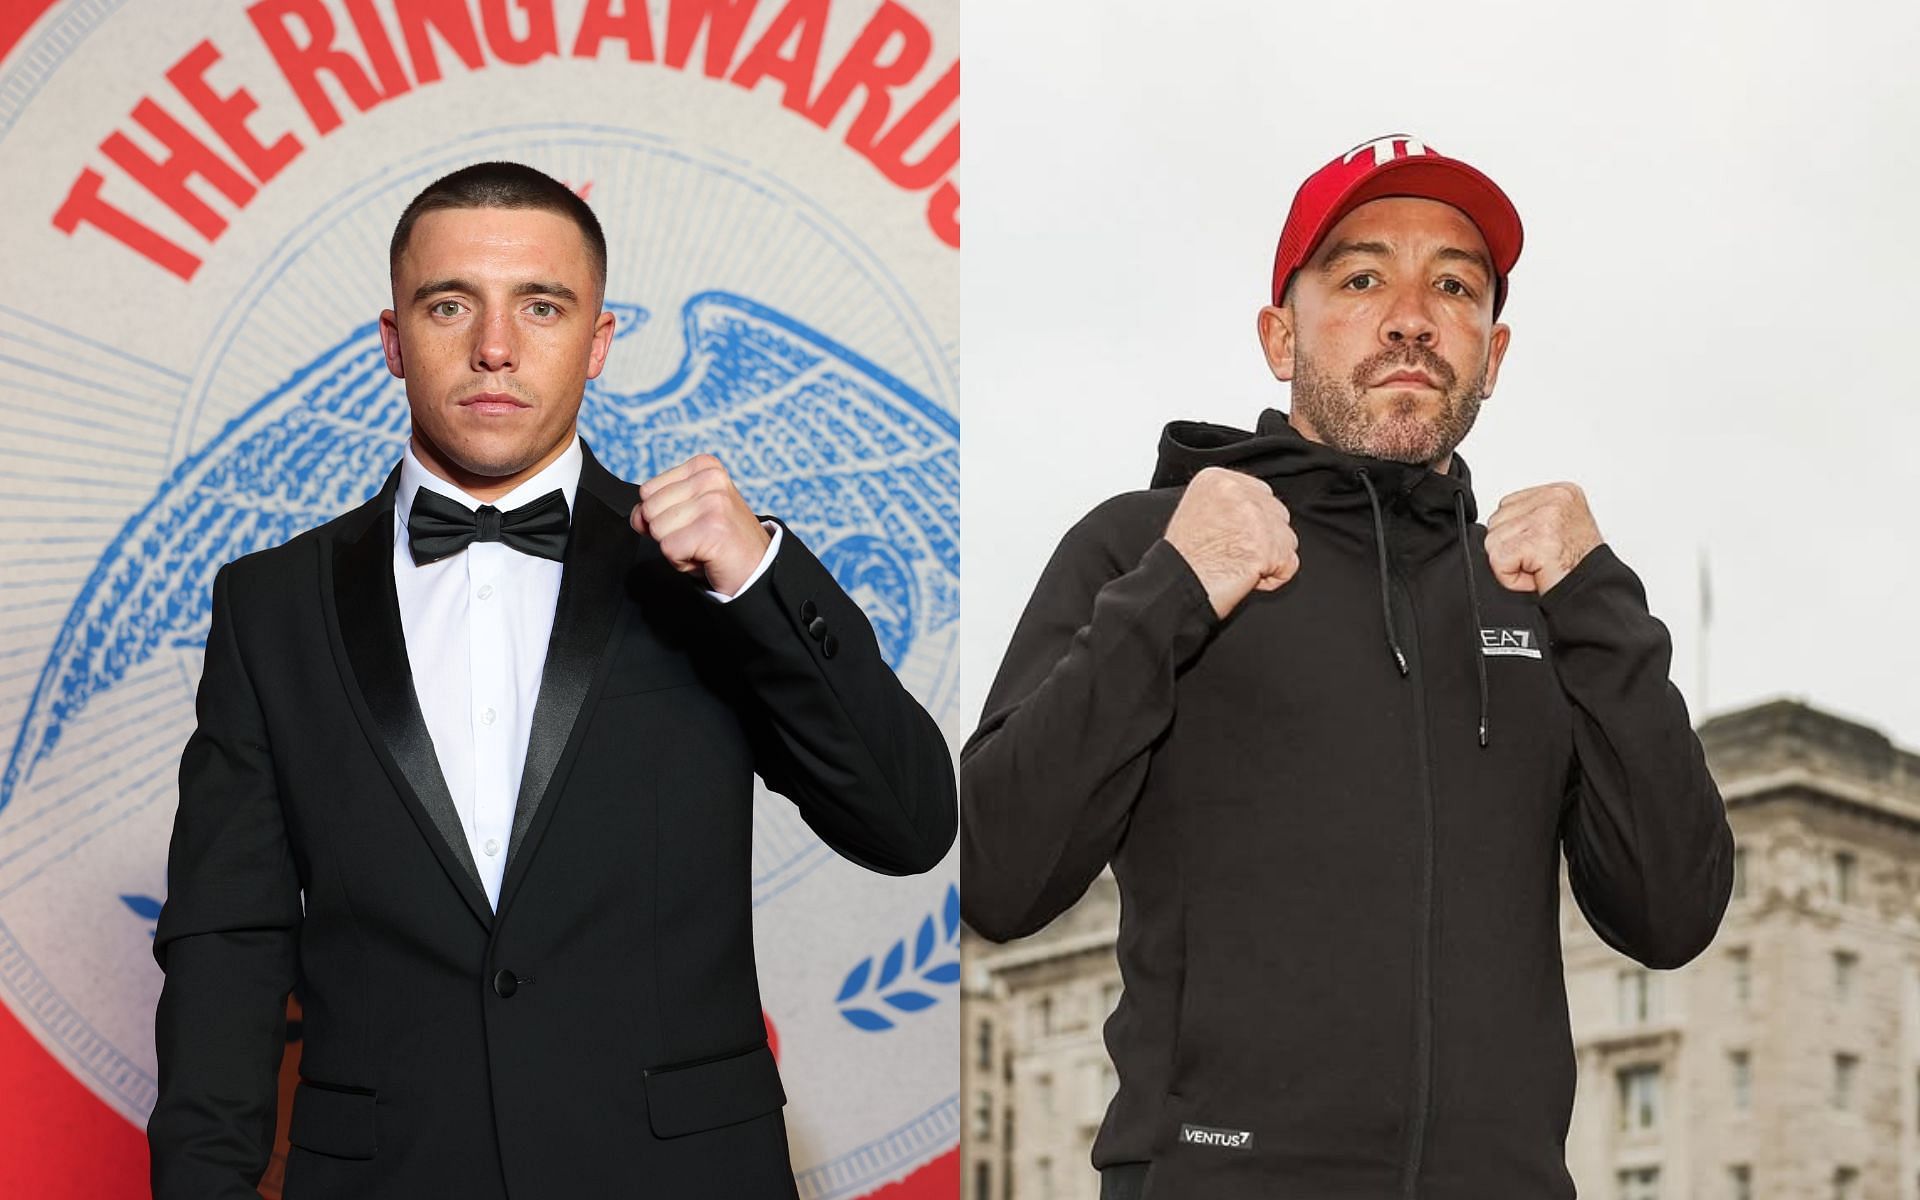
808	612
817	628
505	983
830	646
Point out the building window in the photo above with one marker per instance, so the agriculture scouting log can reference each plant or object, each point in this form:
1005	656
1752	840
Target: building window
1043	1172
1639	1183
1846	1183
1110	997
1639	1097
1043	1092
1109	1084
1639	1002
1742	1064
1740	1182
1845	1067
983	1116
983	1045
1043	1014
1844	962
1845	876
982	1182
1089	1093
1740	960
1739	872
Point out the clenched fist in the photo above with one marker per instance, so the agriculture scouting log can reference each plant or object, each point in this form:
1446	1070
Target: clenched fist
1236	535
703	525
1538	534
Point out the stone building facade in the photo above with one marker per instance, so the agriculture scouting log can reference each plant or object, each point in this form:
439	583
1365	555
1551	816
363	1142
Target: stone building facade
1034	1075
1783	1064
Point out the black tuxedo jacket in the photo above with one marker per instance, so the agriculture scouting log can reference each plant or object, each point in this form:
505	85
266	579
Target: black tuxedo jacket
601	1033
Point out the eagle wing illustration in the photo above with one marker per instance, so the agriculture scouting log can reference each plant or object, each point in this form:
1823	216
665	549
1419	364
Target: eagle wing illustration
864	468
859	464
300	455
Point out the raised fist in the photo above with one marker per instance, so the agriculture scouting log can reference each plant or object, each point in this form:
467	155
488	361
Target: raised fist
702	523
1235	534
1538	534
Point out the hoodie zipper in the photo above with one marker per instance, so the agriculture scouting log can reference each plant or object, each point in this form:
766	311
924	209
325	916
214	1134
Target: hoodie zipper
1423	1014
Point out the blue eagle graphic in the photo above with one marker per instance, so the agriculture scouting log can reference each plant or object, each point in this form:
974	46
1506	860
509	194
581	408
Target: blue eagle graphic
865	468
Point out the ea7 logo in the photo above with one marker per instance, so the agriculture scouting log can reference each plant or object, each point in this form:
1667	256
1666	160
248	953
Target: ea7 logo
1224	1139
1502	642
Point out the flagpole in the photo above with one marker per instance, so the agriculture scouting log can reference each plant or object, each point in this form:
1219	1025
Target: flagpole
1701	674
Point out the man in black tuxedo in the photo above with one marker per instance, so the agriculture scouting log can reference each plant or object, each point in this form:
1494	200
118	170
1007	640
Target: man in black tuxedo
476	779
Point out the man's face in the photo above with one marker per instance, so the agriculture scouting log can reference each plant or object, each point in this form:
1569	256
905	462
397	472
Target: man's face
496	327
1389	339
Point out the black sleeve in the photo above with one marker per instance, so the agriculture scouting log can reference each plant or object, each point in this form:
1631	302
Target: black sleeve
1649	852
226	940
1084	692
836	732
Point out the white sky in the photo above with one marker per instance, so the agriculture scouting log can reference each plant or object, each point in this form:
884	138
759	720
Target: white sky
1714	316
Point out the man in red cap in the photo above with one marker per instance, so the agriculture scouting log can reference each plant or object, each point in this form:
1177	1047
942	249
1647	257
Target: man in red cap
1334	737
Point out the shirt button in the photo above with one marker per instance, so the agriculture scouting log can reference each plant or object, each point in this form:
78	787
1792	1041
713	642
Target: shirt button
486	716
492	847
485	592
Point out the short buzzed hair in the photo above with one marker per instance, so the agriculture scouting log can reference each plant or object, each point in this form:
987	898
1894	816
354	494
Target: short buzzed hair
502	185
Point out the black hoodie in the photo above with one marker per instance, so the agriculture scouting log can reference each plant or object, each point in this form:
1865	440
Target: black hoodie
1336	820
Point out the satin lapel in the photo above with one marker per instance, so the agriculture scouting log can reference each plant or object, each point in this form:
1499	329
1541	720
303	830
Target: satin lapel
366	613
600	550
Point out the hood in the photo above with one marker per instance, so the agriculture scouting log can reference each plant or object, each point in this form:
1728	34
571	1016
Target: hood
1300	469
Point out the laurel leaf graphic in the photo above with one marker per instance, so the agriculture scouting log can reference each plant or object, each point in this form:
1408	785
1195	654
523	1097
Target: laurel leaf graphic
923	944
914	994
890	970
143	906
867	1019
856	980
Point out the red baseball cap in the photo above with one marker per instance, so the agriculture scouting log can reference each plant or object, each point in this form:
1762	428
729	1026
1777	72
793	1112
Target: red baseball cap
1396	165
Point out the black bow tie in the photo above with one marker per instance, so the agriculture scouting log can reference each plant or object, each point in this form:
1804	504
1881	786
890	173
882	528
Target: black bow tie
438	526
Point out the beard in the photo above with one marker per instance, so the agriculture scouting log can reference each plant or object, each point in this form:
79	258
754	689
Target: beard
1396	430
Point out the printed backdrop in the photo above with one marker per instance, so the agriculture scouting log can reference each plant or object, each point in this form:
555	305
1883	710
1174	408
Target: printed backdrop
199	195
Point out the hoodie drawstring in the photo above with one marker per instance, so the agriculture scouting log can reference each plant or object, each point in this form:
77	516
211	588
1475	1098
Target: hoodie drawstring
1380	544
1473	604
1473	593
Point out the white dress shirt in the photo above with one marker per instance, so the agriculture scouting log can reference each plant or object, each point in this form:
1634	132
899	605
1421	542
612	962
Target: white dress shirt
476	625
